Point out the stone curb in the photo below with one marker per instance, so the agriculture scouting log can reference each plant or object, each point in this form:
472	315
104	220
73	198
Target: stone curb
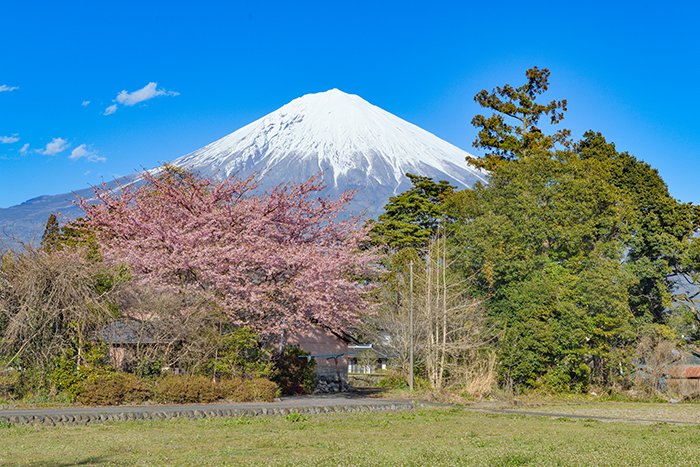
131	415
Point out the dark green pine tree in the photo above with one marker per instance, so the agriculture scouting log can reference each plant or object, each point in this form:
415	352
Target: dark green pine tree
411	218
515	129
52	232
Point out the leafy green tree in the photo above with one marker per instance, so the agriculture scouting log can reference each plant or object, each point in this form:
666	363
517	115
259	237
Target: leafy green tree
514	130
534	239
660	249
411	218
545	241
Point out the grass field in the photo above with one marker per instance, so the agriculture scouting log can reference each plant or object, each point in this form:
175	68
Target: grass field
423	437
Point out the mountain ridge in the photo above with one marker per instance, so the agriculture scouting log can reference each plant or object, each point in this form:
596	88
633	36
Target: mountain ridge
351	143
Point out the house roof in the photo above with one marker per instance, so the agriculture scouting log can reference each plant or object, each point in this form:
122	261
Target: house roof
128	331
684	371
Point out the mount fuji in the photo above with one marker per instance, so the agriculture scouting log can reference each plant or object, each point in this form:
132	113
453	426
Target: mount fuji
351	143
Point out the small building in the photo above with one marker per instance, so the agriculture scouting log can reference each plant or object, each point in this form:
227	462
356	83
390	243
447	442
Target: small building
365	359
683	378
328	349
125	338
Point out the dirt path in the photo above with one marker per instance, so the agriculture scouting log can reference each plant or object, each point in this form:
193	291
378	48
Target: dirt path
649	413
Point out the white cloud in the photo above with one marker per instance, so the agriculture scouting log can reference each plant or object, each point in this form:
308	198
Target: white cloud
9	139
56	146
129	99
110	110
85	103
82	152
24	149
6	88
147	92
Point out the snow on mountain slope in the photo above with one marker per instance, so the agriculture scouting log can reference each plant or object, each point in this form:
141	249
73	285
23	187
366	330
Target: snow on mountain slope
354	145
340	135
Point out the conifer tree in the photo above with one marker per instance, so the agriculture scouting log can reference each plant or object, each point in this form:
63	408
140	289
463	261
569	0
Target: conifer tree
412	218
52	232
514	130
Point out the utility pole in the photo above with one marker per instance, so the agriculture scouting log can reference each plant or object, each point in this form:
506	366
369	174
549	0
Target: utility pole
410	326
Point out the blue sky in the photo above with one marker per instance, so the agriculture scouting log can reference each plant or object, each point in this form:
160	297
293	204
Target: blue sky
630	70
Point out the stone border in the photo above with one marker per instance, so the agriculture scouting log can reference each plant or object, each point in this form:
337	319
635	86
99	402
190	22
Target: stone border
205	412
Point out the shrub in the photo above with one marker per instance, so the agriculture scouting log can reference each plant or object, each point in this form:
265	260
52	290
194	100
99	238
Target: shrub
240	355
259	389
113	389
393	380
9	382
253	390
230	388
186	389
293	374
67	376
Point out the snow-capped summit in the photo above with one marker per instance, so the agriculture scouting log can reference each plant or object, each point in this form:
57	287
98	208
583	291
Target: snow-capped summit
354	145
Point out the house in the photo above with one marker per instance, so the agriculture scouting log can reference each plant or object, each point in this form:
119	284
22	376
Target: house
366	359
683	377
328	349
341	360
125	337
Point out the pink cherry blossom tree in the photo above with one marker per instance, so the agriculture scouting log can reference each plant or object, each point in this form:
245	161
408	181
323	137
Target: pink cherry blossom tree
277	261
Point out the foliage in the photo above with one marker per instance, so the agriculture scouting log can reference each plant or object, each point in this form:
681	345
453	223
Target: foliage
52	301
662	243
50	237
70	371
9	382
240	354
657	349
249	390
505	141
296	417
413	217
294	373
271	261
191	389
113	389
393	380
186	389
575	248
392	317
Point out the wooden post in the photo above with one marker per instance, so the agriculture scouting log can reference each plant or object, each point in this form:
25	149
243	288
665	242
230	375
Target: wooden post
410	326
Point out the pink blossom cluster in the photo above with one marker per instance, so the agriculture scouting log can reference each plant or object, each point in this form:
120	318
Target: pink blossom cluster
276	261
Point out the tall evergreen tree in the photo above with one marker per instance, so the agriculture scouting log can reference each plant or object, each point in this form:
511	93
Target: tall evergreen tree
411	218
514	129
52	232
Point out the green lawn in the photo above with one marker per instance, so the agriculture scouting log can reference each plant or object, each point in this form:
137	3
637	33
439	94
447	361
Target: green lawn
424	437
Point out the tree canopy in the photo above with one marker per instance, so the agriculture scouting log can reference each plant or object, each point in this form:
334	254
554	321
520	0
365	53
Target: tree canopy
411	218
514	129
273	261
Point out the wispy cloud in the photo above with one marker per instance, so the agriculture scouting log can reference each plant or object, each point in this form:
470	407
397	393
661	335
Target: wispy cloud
56	146
9	139
85	103
146	93
110	110
83	152
6	88
24	149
